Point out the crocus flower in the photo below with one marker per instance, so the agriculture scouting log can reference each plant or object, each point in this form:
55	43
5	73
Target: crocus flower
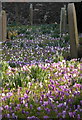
45	117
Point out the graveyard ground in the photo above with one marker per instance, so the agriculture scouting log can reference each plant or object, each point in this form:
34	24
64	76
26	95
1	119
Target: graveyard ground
39	80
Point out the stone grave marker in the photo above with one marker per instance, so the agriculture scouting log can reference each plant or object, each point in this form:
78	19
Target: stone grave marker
72	21
62	21
31	14
4	25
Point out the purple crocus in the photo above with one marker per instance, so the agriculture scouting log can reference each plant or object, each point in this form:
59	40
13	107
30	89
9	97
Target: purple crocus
39	108
8	115
45	117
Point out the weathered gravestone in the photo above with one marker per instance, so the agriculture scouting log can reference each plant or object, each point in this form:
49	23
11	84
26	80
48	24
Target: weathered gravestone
4	25
74	40
62	21
31	14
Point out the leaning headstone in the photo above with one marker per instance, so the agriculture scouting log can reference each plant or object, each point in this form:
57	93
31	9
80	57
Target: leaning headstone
73	30
4	25
31	14
62	21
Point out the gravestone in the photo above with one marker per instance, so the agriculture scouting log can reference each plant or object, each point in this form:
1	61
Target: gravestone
31	14
63	21
4	25
74	40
